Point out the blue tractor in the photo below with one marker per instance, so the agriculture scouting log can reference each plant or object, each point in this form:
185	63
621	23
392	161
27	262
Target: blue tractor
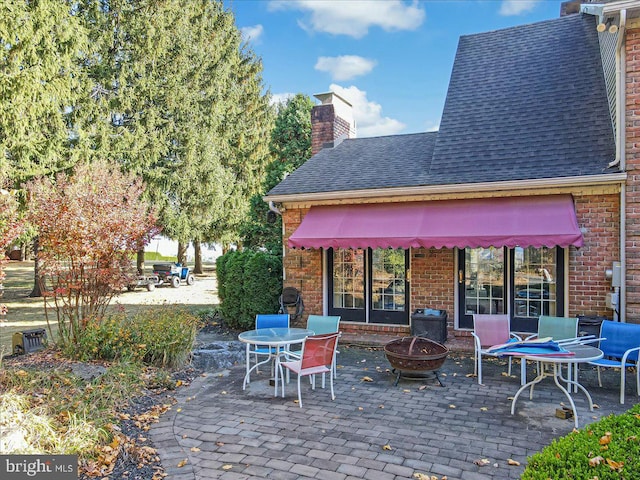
173	274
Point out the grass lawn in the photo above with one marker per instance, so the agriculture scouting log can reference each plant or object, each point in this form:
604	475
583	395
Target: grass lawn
28	313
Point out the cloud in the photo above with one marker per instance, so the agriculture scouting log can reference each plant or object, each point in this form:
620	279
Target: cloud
281	97
517	7
252	33
345	67
368	114
354	18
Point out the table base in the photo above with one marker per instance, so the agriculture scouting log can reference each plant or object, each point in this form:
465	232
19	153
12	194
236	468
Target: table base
557	375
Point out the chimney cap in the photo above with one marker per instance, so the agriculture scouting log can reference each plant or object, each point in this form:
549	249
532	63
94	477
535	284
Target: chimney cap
327	98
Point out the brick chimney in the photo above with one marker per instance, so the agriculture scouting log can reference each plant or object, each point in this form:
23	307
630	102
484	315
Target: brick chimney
331	121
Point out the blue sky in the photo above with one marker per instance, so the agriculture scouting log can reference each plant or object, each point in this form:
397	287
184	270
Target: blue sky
390	58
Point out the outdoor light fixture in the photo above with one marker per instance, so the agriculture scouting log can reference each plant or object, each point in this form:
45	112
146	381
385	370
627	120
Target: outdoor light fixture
607	25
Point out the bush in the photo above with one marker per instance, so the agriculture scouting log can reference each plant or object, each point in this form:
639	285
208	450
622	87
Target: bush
607	449
248	283
160	336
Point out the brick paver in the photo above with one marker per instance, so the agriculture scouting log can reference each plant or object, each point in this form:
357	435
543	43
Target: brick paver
373	429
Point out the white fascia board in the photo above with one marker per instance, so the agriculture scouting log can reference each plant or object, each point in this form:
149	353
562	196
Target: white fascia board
513	185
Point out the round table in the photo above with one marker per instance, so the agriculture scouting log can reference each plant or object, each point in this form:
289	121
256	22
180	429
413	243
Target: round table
276	339
581	354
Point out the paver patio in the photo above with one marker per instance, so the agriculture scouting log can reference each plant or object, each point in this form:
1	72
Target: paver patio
372	430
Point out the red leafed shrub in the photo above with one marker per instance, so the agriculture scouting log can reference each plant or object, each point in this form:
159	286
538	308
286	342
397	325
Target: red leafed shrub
10	228
89	226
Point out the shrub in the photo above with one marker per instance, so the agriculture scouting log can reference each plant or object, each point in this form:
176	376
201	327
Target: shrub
160	336
248	283
607	449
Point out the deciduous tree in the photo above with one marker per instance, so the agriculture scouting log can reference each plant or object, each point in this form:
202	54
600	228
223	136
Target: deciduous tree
89	224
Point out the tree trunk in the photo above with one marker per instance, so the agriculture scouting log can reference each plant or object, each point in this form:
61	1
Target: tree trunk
182	253
140	261
37	290
197	268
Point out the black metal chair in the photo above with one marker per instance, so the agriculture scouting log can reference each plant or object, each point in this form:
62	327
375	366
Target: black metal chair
291	303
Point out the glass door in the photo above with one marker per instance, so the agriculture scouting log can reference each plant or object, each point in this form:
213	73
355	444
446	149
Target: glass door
389	286
481	283
346	290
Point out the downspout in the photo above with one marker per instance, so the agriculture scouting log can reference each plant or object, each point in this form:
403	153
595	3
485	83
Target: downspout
621	157
274	209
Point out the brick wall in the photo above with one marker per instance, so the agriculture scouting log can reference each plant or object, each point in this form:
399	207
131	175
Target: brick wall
632	149
599	218
303	268
432	284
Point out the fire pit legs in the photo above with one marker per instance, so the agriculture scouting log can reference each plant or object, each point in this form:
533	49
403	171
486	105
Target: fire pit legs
415	376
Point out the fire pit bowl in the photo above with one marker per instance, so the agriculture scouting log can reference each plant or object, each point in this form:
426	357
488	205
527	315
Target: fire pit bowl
416	355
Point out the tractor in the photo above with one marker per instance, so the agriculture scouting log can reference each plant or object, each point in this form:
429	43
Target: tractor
173	274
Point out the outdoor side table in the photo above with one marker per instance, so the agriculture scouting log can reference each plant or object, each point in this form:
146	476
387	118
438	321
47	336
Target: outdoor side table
582	354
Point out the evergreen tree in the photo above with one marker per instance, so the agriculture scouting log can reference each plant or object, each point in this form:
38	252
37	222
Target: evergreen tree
290	147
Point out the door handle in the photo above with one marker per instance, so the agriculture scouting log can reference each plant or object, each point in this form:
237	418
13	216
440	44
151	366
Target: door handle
460	276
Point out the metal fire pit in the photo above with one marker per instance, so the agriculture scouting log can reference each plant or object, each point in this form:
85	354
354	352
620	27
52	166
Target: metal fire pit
413	357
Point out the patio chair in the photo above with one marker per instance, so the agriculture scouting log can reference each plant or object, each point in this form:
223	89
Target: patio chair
621	348
321	324
290	299
558	329
318	356
269	320
490	330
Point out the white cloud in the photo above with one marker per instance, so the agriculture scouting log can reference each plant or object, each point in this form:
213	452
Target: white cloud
367	114
517	7
355	18
345	67
252	34
281	97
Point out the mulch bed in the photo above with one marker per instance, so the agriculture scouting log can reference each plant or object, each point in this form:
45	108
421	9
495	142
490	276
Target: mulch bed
133	455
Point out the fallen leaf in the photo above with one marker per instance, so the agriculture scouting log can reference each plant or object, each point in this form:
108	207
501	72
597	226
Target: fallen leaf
482	462
595	461
386	447
179	410
452	406
367	379
605	439
360	408
179	383
194	449
182	463
422	387
227	467
515	463
219	444
406	391
484	409
223	392
470	375
613	465
380	406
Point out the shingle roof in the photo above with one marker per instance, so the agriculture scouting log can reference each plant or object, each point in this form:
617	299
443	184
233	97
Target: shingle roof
527	102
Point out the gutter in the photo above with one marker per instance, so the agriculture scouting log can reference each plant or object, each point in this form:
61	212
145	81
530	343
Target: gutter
511	185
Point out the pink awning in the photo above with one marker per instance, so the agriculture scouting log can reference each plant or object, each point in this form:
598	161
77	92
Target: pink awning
518	221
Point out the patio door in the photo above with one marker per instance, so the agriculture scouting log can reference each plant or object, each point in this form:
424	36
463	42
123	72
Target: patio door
369	285
481	283
525	282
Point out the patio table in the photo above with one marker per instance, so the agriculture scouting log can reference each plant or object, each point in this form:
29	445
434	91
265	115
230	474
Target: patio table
278	339
581	354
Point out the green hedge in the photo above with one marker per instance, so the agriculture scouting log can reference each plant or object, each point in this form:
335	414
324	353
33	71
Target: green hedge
607	449
248	283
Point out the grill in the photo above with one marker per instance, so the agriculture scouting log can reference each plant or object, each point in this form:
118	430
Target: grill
413	357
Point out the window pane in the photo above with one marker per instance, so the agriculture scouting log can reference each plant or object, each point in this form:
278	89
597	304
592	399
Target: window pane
348	278
535	282
388	279
484	280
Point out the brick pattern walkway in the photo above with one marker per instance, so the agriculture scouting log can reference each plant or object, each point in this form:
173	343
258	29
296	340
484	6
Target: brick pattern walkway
373	429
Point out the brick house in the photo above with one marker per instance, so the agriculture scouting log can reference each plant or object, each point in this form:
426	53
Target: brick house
526	201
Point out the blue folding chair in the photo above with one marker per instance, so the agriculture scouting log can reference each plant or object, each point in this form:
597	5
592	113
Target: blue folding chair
621	348
269	320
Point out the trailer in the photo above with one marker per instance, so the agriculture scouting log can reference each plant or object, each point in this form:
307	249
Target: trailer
147	281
